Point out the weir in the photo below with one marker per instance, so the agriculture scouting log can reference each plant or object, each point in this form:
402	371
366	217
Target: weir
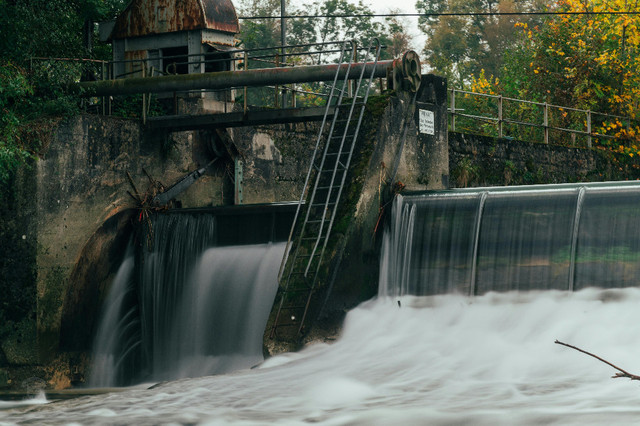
192	295
559	237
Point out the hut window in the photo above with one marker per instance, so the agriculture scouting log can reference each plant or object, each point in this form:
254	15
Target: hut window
217	61
175	60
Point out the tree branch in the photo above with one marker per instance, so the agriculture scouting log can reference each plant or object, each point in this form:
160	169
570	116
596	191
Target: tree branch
621	373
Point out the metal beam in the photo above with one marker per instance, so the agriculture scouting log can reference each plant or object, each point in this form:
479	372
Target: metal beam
235	119
227	79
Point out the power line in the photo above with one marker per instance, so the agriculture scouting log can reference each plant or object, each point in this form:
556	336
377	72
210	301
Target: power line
391	15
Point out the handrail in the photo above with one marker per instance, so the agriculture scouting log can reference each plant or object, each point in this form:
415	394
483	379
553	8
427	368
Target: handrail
501	118
289	56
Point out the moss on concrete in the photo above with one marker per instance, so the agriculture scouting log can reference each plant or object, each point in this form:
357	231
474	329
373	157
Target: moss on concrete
18	268
485	161
338	239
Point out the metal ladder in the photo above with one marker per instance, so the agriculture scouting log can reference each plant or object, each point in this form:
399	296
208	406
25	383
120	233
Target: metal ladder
329	166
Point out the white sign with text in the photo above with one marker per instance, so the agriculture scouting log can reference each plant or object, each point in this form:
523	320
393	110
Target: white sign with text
427	122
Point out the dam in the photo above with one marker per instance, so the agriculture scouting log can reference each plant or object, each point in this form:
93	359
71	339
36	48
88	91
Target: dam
154	272
426	349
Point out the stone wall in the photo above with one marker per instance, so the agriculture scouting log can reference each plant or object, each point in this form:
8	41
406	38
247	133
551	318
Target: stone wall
477	161
66	221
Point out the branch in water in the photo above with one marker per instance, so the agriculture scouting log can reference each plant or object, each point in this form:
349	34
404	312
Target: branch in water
621	373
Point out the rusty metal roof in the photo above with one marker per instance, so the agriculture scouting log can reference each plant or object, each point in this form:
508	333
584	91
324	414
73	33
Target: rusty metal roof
145	17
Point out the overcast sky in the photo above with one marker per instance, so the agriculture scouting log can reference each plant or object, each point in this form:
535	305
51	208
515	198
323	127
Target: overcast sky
405	6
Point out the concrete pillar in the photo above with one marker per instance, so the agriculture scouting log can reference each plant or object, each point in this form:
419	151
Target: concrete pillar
194	43
431	122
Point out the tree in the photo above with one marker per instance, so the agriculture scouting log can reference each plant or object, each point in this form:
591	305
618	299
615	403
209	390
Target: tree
266	33
460	46
40	28
588	61
304	32
50	27
583	61
399	39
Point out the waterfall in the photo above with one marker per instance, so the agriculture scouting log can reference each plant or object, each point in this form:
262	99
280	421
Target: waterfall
117	341
562	237
183	307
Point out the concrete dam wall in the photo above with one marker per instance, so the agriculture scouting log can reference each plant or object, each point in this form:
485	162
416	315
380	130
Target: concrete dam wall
67	220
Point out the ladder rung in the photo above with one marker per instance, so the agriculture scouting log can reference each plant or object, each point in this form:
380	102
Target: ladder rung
345	136
287	324
332	203
336	153
298	290
328	187
318	221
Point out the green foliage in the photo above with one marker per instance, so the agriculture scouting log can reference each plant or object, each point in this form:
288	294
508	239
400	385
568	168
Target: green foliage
33	91
131	107
302	31
13	89
51	28
583	61
257	34
460	46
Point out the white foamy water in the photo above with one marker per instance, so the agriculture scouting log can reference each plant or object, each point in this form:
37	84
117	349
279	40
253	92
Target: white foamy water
434	360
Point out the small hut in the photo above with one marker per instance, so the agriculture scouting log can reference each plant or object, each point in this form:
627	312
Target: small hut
173	37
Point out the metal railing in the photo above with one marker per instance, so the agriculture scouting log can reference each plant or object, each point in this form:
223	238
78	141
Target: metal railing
289	96
506	117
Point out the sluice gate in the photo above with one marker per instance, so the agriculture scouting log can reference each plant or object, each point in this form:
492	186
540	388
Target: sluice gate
547	237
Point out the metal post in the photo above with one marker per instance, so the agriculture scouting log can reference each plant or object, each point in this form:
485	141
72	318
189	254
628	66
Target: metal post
589	128
238	175
246	66
110	74
283	42
500	116
144	97
104	98
175	103
453	110
277	87
546	123
354	55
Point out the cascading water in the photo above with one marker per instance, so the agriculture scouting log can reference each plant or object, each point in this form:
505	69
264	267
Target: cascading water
563	237
454	358
117	341
191	309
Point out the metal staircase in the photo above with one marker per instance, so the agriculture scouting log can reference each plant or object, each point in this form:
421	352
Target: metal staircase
324	184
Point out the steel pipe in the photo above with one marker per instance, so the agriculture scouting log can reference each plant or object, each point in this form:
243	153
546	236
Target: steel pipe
227	79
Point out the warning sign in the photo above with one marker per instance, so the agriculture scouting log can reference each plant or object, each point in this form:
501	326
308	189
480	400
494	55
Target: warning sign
427	122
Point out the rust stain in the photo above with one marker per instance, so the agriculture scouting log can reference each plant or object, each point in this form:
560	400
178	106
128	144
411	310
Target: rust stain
134	69
145	17
221	15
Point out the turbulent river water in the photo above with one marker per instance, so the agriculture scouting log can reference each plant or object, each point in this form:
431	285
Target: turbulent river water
471	356
412	360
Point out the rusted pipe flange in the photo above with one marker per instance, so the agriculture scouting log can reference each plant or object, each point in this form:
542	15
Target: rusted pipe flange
407	72
412	70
